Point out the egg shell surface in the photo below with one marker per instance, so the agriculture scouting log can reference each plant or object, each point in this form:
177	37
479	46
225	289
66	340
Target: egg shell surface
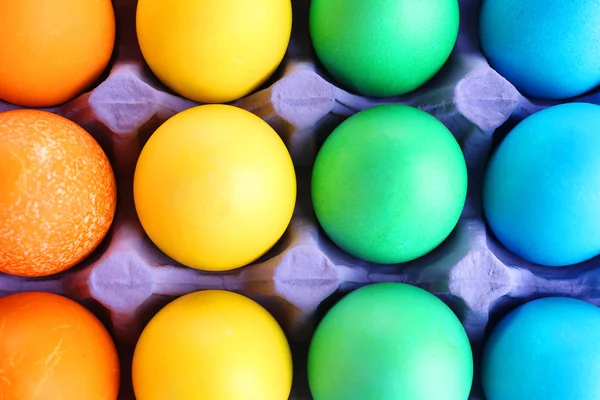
540	194
58	193
389	184
53	50
214	51
390	341
545	349
548	49
52	348
215	187
383	48
212	345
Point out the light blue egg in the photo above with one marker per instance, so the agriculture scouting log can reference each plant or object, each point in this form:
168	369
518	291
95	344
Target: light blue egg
541	193
547	349
546	48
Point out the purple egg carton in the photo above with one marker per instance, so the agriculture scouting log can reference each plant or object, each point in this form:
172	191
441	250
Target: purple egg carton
127	280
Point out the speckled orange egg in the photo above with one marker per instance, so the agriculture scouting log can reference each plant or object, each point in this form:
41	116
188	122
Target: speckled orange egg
52	348
53	50
57	193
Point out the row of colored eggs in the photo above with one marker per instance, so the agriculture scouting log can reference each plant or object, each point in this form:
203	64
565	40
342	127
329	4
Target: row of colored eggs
215	188
386	340
53	50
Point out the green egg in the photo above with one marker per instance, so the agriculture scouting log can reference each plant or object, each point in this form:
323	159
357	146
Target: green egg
389	184
390	341
383	48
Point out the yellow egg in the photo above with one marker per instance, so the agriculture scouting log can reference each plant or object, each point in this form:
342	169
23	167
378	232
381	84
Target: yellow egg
212	345
215	187
214	51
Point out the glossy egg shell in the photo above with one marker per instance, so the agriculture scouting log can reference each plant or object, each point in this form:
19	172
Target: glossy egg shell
215	187
540	193
389	184
383	48
545	349
214	51
212	345
58	193
53	50
547	48
390	341
54	349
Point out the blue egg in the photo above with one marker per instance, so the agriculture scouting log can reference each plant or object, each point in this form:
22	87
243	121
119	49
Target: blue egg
546	48
541	194
546	349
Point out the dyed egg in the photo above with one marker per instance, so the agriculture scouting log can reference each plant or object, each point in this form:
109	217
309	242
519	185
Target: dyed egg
215	187
546	349
541	187
53	50
389	184
212	345
546	48
390	341
386	47
54	349
58	194
214	51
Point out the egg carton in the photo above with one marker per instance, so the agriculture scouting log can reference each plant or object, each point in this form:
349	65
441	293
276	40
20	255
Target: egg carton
127	280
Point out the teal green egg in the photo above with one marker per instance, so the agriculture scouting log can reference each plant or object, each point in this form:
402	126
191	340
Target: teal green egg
390	341
383	48
389	184
545	349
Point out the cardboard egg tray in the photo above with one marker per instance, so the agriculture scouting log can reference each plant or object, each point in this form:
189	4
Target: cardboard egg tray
127	280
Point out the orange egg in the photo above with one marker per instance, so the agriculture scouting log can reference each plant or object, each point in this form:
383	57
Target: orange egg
53	50
57	193
52	348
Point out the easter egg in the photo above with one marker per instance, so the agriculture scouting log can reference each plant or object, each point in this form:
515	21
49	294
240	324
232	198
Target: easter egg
390	341
214	51
389	184
546	349
547	48
57	193
53	50
54	349
215	187
212	345
386	47
540	193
